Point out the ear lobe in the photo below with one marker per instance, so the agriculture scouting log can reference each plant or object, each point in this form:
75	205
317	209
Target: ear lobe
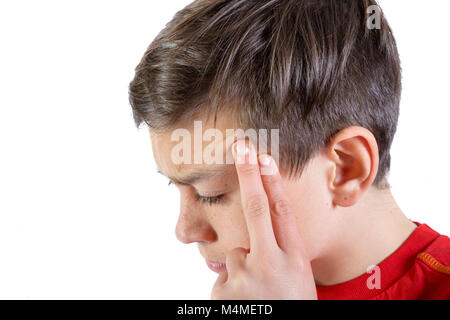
354	156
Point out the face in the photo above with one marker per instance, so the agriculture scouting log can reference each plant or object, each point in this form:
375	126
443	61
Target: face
210	203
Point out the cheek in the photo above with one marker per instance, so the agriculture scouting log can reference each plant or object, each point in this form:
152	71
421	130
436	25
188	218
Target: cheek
229	223
311	207
306	201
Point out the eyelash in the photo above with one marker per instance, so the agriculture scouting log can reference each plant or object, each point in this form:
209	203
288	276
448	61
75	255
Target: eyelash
209	200
206	200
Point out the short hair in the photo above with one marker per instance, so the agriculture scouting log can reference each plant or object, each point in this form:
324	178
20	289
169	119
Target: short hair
307	67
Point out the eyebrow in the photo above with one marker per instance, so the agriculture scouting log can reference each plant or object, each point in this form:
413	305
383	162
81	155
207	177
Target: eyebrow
196	175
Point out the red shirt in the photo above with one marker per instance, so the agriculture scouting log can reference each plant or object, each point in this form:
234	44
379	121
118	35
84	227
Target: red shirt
419	269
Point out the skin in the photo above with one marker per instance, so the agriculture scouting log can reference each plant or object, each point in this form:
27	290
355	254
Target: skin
336	224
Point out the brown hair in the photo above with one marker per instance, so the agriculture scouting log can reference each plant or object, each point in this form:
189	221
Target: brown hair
307	67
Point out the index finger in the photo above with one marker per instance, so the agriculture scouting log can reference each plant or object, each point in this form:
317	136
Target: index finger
283	218
253	197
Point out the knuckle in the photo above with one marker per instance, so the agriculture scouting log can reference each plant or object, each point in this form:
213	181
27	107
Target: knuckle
281	207
256	205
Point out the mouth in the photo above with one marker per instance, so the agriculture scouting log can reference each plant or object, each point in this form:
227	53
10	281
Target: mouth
216	266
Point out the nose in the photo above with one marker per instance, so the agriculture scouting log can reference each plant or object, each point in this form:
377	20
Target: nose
192	227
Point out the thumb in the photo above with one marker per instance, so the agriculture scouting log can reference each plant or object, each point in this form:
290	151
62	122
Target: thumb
219	285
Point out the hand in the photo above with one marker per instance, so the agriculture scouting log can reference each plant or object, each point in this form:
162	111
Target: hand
276	266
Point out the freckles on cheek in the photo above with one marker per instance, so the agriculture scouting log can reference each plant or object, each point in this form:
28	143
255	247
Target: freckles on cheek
230	226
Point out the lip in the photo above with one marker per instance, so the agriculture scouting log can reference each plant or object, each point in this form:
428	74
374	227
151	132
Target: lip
216	266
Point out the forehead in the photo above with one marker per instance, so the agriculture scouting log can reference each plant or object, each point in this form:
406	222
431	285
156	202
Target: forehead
167	143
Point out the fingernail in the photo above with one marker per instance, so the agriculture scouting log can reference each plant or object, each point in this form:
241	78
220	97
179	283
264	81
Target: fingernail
268	165
240	151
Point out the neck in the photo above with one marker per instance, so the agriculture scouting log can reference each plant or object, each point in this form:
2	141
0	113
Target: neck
374	228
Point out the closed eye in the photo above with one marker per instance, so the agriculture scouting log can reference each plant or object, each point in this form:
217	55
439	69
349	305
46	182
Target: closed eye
204	199
209	200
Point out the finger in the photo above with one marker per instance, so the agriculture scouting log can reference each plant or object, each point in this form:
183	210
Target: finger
283	218
253	197
235	261
219	286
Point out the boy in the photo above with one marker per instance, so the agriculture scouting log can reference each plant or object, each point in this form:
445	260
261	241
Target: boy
312	216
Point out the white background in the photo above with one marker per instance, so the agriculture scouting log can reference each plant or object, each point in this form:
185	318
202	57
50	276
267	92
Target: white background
83	215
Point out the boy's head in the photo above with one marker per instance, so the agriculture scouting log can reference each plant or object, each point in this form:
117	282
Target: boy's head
311	68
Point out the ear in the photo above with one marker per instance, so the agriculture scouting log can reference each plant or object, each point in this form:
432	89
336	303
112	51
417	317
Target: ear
353	157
